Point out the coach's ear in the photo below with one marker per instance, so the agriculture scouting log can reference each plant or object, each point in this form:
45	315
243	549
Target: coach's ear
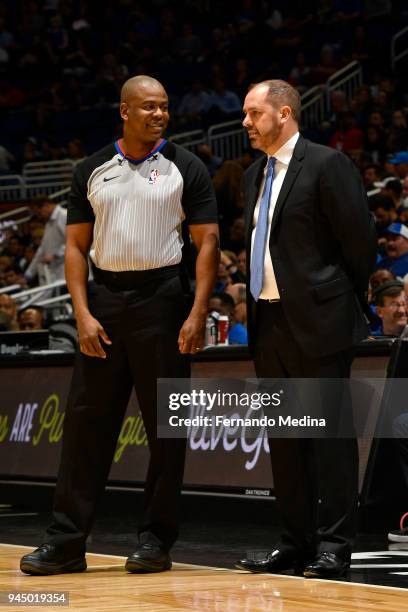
285	113
124	111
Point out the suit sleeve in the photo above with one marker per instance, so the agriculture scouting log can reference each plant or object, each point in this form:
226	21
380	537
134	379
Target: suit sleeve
344	202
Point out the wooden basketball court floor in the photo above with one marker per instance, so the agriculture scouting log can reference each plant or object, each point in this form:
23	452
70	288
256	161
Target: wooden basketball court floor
107	586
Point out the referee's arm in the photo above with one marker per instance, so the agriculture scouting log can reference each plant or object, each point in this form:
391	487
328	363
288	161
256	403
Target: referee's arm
78	242
206	239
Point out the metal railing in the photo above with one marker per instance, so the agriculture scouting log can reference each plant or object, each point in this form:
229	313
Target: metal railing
47	177
13	212
39	294
10	289
228	140
190	140
314	106
60	194
399	47
41	169
347	80
35	290
38	178
12	188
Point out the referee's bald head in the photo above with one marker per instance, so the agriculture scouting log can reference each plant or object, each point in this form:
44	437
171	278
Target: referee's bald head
134	84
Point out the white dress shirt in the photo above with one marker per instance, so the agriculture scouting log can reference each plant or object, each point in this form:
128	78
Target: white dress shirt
283	157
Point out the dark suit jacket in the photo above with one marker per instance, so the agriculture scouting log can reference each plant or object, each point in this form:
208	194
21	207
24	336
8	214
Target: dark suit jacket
323	247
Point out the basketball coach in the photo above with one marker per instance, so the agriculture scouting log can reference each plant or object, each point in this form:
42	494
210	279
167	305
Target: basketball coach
311	246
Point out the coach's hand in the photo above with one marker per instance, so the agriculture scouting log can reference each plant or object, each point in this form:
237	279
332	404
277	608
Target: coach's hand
191	337
90	333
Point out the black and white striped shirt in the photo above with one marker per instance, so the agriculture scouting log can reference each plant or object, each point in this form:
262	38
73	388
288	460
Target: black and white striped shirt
137	206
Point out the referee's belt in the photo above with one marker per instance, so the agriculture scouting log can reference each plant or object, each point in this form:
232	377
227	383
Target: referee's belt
129	279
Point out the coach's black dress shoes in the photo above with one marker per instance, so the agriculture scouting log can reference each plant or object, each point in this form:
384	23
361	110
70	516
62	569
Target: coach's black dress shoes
47	559
326	565
273	562
148	557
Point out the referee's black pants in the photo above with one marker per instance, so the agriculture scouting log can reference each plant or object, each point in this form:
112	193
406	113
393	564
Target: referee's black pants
315	479
142	313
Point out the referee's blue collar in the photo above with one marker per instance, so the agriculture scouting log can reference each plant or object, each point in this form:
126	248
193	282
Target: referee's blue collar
132	160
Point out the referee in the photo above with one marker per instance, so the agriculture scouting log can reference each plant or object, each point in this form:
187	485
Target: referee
125	211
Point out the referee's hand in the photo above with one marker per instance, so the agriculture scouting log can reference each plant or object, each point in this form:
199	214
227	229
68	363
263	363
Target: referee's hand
191	337
90	333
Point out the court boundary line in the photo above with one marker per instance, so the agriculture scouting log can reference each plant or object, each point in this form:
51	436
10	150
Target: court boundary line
237	571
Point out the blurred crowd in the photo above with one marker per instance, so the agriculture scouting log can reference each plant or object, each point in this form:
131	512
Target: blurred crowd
62	64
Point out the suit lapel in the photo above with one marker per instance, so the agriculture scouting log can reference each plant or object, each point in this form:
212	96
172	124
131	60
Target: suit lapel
295	165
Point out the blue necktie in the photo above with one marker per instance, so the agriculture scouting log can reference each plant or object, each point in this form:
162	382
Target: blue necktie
261	232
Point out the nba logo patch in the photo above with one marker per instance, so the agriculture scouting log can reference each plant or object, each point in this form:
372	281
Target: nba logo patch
154	174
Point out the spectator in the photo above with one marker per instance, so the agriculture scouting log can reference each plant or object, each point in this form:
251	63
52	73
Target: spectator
405	281
224	305
30	319
223	279
348	137
240	313
212	162
236	240
398	133
391	187
237	291
242	78
400	161
241	262
194	104
229	259
12	276
405	191
371	176
378	278
15	249
327	66
300	73
8	307
6	160
224	103
397	250
391	305
75	149
5	322
48	262
374	145
188	46
227	186
384	212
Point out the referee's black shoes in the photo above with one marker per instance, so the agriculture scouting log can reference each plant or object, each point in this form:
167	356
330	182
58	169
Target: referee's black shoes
148	557
48	559
326	565
272	562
